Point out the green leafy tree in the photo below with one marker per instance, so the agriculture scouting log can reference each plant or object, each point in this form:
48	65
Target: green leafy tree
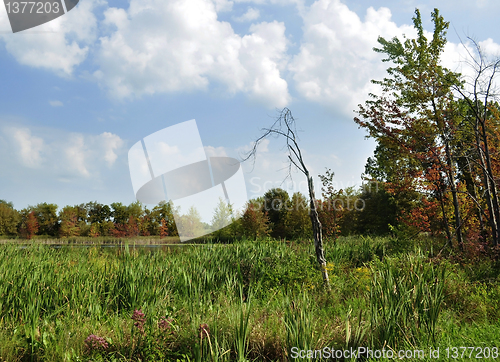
99	217
9	218
136	210
275	205
69	222
255	221
162	216
415	119
48	221
97	213
119	213
298	223
379	211
29	224
146	223
222	220
190	224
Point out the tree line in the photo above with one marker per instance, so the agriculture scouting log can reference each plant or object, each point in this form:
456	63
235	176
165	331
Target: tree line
275	214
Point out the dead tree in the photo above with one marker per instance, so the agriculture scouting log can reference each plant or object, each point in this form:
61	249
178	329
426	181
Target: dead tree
284	126
479	96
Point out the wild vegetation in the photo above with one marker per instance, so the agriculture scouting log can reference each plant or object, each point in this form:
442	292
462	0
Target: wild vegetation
249	300
413	256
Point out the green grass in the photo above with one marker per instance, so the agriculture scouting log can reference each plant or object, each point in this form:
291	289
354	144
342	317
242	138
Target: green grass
258	299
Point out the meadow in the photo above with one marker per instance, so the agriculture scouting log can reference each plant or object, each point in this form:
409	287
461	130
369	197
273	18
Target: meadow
244	301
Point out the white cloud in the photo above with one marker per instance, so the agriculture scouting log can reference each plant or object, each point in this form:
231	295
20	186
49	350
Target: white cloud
59	45
490	48
157	46
336	60
250	15
263	56
76	155
223	5
211	151
457	57
263	147
56	103
28	147
61	153
270	168
111	143
167	151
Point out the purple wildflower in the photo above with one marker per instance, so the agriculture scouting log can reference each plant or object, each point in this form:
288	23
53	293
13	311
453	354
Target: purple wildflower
95	343
140	319
165	324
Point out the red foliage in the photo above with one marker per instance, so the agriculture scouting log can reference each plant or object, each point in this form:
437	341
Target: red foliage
31	226
330	216
163	228
118	231
131	227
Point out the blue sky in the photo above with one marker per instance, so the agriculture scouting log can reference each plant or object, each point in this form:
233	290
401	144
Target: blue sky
79	91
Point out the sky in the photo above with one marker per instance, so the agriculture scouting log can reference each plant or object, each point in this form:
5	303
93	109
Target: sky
79	91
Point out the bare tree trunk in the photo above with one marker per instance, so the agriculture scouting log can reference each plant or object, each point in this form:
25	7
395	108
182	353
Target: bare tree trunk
456	206
479	209
492	220
445	221
478	101
493	193
284	126
317	233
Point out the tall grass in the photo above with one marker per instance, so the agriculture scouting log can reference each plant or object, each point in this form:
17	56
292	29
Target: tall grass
299	322
406	298
257	300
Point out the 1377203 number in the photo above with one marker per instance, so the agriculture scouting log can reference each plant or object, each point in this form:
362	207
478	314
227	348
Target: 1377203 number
32	7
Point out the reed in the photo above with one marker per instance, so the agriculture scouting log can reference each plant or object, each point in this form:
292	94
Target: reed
258	299
406	298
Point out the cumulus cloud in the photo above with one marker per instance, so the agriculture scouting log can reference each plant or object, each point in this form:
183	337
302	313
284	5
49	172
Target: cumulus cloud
223	5
211	151
76	155
336	60
59	45
62	153
490	48
87	155
250	15
157	46
27	147
111	144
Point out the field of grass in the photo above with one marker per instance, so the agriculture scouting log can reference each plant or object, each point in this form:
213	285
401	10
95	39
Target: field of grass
246	301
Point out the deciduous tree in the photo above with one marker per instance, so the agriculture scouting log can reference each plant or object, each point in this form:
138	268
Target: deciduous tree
415	118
